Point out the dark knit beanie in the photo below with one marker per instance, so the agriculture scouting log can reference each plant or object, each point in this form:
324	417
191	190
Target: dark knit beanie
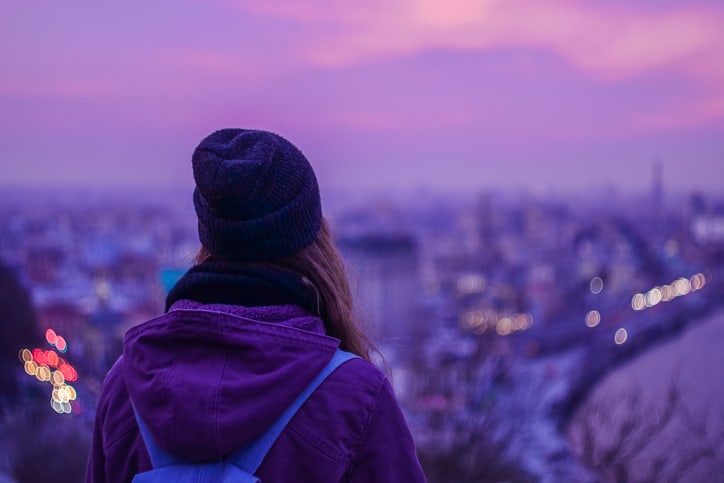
256	196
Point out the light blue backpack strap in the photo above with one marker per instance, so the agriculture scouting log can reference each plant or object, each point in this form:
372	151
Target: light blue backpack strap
250	456
159	457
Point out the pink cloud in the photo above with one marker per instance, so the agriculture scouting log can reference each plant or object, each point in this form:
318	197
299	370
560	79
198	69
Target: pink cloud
211	60
685	115
368	119
391	81
607	43
380	120
63	89
230	62
610	42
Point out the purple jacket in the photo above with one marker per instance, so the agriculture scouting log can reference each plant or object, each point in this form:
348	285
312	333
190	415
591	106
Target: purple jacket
207	379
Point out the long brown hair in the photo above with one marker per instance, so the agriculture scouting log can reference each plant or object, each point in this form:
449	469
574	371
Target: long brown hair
321	266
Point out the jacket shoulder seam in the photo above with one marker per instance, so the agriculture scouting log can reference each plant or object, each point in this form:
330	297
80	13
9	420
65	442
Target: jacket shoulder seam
366	427
320	448
120	437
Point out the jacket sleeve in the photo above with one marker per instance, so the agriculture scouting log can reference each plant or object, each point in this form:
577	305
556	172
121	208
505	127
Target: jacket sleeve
117	451
387	451
95	468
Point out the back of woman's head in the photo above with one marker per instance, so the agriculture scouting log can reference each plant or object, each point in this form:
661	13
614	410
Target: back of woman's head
257	202
256	196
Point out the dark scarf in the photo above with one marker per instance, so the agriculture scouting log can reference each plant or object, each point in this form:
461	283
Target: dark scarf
242	284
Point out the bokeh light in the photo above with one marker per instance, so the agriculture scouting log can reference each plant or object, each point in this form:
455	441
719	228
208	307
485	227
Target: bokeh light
30	368
621	336
522	321
26	355
48	366
61	344
504	326
58	378
470	283
666	293
39	356
50	336
596	285
638	302
697	281
479	321
682	287
43	374
593	318
653	297
56	405
473	319
68	372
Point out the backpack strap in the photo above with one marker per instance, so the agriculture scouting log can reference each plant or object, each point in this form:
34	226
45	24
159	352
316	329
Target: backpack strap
250	456
159	458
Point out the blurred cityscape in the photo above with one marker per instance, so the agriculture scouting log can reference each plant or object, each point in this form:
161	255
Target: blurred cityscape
496	313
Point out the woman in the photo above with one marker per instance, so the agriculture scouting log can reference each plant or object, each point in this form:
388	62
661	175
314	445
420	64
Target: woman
246	329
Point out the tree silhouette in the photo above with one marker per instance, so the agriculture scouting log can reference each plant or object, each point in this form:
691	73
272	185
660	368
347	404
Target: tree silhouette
18	328
625	439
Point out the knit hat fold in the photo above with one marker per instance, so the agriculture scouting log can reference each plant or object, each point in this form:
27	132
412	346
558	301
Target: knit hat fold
256	196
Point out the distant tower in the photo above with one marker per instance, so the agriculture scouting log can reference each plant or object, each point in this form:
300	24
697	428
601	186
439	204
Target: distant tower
657	199
486	230
384	269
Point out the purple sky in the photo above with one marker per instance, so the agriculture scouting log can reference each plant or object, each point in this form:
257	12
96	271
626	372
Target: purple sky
381	94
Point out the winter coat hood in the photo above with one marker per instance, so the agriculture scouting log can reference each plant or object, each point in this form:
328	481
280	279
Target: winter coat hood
209	379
